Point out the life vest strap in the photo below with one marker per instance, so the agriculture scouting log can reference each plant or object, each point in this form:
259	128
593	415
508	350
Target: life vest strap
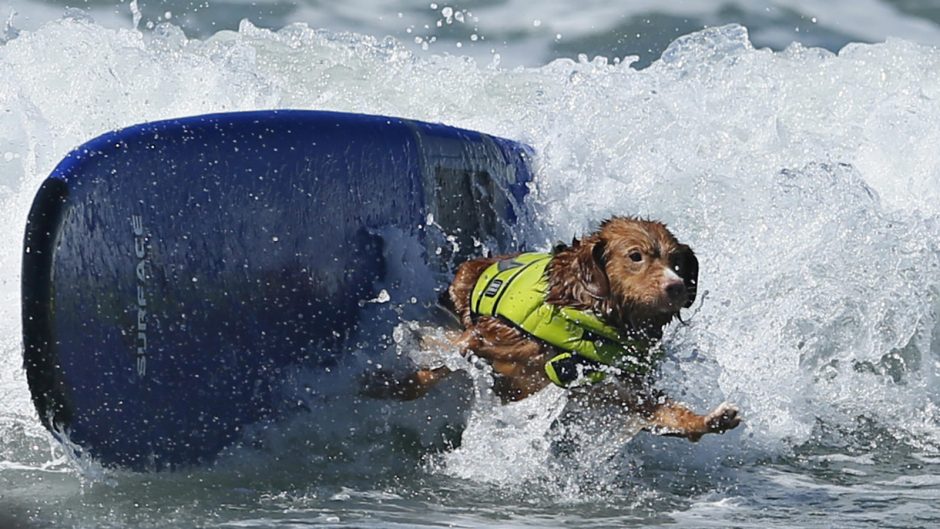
566	368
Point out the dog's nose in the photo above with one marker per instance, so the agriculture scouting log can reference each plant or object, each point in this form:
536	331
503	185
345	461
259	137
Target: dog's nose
675	290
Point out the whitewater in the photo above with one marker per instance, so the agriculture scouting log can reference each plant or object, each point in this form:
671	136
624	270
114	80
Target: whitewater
807	181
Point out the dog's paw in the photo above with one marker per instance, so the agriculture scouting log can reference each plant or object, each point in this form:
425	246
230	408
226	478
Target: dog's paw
723	418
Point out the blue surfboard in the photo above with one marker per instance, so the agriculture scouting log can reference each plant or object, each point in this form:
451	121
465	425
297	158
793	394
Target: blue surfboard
173	270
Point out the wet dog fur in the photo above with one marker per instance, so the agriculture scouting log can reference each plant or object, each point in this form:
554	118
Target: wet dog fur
631	272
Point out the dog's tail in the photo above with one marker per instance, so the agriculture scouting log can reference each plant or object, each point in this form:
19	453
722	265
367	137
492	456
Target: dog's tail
443	299
446	307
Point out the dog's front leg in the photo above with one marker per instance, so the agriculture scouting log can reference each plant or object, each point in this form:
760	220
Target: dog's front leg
670	418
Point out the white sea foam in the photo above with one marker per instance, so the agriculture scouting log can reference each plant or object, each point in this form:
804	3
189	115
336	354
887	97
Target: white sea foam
523	33
807	182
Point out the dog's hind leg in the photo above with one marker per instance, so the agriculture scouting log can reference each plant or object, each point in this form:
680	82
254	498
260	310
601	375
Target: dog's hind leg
382	385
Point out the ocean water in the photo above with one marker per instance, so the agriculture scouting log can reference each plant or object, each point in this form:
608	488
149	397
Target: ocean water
792	145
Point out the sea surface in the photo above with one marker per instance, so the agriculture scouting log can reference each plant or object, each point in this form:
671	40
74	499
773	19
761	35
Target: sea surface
793	144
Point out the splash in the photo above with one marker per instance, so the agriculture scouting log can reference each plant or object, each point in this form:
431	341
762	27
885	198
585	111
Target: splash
806	181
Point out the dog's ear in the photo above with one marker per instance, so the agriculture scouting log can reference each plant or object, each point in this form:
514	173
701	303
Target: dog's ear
561	246
686	265
591	268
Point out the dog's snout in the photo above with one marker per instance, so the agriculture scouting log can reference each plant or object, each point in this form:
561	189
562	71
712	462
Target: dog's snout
675	290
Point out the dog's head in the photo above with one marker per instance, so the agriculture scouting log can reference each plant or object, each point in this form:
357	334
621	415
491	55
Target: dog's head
637	267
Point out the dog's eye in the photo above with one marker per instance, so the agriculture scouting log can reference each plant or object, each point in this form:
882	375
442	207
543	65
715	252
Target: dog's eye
636	257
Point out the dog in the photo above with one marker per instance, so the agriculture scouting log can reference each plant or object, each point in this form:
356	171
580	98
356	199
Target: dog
585	312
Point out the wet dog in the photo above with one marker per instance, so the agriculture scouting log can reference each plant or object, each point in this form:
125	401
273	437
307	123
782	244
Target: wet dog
586	312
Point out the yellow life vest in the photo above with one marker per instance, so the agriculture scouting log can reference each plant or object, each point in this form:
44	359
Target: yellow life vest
515	289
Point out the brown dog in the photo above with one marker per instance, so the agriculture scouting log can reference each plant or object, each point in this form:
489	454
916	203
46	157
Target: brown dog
633	275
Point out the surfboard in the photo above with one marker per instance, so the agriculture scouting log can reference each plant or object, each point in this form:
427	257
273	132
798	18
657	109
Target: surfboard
172	271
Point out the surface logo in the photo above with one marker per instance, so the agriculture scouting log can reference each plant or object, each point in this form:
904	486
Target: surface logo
140	273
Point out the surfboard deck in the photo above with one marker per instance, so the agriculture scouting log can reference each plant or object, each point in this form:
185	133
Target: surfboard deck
173	270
